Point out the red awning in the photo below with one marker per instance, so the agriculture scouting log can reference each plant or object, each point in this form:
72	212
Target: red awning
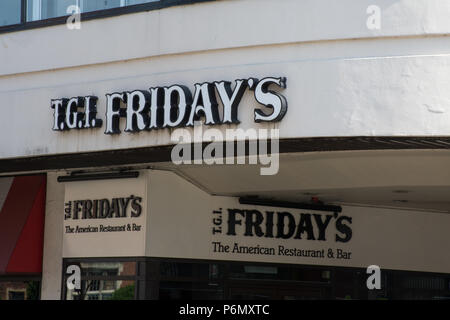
22	211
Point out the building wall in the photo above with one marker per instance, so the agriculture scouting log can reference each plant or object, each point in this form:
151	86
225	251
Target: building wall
342	78
179	222
208	26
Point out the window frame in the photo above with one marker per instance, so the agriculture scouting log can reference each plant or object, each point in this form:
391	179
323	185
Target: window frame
86	16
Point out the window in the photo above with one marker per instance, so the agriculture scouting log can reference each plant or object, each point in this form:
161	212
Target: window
45	9
19	289
173	279
10	12
27	14
16	295
13	13
105	280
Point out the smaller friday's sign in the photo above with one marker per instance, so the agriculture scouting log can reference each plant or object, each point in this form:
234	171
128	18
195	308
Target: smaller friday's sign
281	233
105	218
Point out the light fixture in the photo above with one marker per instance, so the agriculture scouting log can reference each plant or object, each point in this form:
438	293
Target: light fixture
286	204
98	176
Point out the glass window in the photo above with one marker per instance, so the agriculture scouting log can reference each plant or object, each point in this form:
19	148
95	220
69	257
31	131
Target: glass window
105	280
93	5
190	270
45	9
10	12
19	290
243	271
103	290
126	268
410	286
345	281
148	278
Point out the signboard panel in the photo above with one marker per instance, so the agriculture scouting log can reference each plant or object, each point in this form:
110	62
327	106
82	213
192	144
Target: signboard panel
200	226
105	218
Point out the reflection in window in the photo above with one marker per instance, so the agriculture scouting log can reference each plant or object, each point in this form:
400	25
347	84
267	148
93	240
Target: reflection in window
190	270
419	287
103	290
287	273
10	12
105	281
45	9
108	268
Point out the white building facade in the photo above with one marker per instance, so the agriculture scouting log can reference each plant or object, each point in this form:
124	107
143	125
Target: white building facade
355	93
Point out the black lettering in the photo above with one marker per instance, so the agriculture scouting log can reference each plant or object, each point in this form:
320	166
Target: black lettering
114	112
104	209
87	209
281	216
344	229
59	116
269	224
114	209
305	225
253	220
91	120
124	205
230	99
138	106
322	225
232	221
136	207
95	210
204	105
75	118
270	99
177	106
76	209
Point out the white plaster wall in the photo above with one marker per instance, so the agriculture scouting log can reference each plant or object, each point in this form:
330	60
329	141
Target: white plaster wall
343	79
219	24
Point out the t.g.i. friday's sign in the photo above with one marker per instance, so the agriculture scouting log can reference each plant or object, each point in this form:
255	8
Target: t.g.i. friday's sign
170	107
105	218
209	227
281	225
